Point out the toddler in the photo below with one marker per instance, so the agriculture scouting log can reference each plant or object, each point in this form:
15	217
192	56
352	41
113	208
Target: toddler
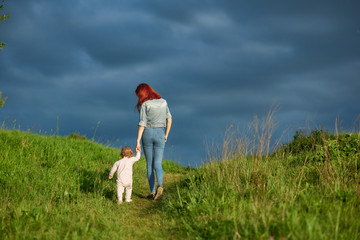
124	173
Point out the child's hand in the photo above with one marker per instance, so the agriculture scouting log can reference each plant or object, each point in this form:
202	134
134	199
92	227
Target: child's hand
110	177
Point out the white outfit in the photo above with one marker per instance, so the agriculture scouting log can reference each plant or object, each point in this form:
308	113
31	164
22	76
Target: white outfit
124	176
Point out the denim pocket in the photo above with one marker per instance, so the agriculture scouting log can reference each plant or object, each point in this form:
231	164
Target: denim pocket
161	134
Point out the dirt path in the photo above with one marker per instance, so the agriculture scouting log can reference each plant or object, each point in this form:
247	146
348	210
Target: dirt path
142	218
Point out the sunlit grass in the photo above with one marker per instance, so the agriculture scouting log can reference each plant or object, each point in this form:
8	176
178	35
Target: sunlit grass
247	192
57	188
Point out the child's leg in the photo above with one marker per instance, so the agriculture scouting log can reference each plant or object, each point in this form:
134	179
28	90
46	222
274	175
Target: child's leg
128	193
120	191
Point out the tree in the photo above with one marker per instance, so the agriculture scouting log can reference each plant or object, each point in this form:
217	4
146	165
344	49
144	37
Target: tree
3	18
2	100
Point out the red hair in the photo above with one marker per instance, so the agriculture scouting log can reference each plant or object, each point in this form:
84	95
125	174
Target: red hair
144	92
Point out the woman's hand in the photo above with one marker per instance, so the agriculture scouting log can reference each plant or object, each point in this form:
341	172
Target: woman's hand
138	147
165	138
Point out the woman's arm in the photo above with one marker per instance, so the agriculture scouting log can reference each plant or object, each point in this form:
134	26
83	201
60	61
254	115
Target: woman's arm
140	133
168	127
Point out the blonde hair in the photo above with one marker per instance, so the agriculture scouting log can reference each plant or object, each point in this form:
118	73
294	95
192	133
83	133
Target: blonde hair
126	152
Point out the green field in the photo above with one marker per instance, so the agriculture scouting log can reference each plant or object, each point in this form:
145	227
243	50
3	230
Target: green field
54	187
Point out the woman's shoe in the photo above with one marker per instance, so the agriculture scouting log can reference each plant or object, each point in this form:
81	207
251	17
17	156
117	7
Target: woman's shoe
150	196
159	193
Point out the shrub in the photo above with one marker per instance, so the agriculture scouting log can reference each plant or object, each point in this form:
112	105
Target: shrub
303	143
77	136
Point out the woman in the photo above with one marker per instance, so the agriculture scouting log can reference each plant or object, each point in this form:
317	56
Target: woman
154	127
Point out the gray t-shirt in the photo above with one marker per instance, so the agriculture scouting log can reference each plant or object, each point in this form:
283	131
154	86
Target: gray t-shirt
153	113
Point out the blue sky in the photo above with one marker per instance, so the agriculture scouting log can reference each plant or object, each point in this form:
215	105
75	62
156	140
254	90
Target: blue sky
69	65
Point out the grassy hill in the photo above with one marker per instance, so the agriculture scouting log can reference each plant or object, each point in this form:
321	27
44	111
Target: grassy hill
57	188
307	189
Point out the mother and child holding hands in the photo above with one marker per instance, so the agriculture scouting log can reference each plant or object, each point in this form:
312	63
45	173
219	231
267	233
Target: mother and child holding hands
154	127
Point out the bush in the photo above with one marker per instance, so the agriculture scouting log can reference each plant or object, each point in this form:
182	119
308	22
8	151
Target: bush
303	143
77	136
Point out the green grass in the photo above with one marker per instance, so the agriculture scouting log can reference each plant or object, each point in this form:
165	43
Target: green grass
57	188
314	194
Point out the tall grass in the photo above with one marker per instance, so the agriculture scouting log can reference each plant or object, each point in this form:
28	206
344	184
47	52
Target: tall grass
251	192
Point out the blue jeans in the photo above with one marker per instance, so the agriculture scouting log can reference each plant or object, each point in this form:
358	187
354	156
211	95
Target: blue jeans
153	141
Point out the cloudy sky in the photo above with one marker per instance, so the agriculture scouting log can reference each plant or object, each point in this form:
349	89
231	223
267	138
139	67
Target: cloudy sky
73	65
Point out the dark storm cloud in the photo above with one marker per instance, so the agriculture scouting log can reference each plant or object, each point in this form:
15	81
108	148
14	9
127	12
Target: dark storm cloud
74	65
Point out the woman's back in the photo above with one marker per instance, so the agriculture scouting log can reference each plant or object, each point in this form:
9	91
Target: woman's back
153	113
